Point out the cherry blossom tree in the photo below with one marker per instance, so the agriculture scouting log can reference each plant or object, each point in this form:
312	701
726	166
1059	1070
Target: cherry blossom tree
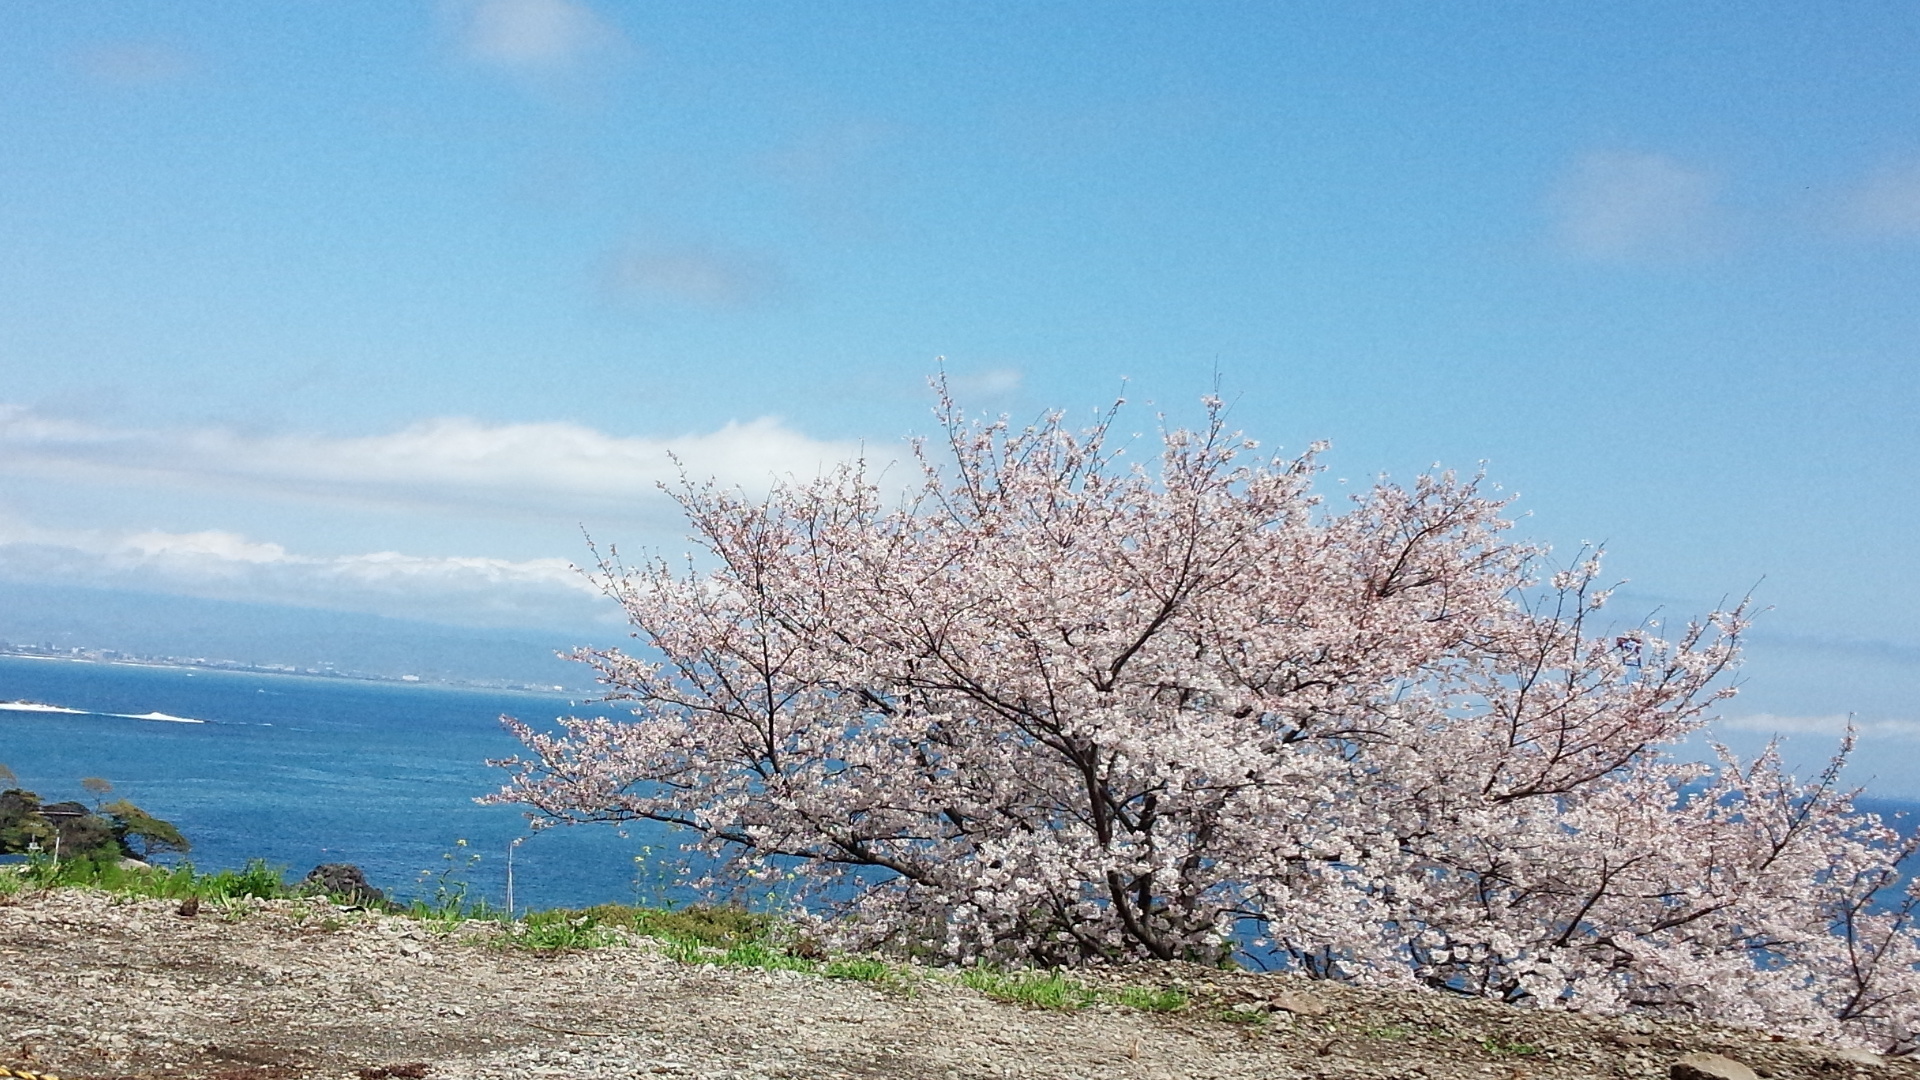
1056	706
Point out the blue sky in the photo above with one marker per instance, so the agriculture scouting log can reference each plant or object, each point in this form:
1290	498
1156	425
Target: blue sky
372	306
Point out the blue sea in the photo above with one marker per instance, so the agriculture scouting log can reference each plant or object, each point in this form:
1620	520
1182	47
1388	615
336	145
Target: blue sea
301	771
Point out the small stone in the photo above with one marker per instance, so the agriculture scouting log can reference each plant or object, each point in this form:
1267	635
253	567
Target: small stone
1703	1066
1628	1039
1854	1056
1298	1004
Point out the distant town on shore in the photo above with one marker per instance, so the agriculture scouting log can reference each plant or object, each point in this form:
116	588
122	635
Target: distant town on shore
83	654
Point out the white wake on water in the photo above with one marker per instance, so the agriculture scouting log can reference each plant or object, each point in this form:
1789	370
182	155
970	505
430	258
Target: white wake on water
158	716
35	706
39	707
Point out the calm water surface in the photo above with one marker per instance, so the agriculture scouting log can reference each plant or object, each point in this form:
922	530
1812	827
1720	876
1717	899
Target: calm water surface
301	771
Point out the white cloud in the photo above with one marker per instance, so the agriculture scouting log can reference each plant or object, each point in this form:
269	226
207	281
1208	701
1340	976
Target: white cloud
531	35
991	383
470	590
1887	204
1625	205
542	468
1833	724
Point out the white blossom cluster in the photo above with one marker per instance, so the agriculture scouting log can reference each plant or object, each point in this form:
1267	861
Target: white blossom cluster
1056	708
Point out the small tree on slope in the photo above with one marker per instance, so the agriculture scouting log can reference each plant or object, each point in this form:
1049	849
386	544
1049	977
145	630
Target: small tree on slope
1059	708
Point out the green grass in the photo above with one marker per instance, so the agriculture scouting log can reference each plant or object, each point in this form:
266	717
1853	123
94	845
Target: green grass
700	934
713	925
736	938
685	950
1062	992
449	915
861	969
759	954
257	880
561	931
707	934
1149	999
1040	989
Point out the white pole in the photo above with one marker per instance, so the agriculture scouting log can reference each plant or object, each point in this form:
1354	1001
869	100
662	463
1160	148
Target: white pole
514	844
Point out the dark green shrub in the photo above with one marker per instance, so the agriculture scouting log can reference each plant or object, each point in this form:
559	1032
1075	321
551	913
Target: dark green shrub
75	832
715	925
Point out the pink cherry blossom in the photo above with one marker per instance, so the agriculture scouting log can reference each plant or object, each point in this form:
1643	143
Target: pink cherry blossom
1058	707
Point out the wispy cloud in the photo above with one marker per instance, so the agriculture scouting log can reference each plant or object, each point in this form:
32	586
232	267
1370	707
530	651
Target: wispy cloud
991	383
469	590
542	468
1831	724
838	173
532	36
696	275
1627	205
1886	205
1880	650
134	63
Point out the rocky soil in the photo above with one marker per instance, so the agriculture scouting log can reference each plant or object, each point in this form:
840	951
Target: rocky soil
90	987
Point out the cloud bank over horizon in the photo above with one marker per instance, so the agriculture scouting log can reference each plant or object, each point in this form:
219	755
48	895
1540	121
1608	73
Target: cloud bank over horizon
465	590
1835	725
448	461
467	475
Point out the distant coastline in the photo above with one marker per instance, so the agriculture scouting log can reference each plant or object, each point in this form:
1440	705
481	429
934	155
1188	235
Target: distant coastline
84	655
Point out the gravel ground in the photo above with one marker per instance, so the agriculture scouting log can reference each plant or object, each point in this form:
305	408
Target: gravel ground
91	987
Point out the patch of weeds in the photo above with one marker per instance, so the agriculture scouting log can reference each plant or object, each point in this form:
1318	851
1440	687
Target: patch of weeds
685	951
1040	989
1389	1032
449	905
561	930
1253	1016
1501	1046
726	936
714	925
451	917
861	969
758	954
13	882
257	879
1149	999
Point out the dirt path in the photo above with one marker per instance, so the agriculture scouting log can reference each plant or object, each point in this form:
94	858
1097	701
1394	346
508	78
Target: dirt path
289	989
